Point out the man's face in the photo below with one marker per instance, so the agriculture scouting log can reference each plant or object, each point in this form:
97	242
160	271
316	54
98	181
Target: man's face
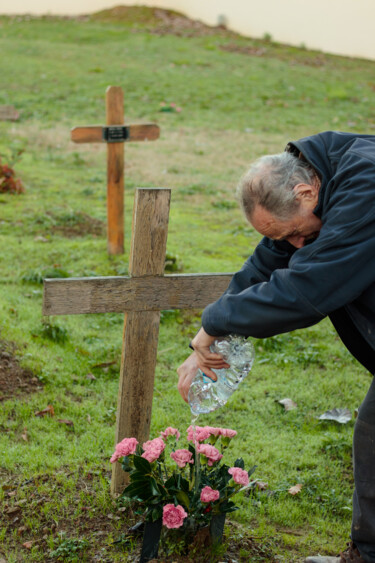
301	228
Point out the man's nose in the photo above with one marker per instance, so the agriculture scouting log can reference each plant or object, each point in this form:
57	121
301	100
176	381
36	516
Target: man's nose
297	241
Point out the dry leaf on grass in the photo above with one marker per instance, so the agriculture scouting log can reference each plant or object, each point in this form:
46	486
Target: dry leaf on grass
337	415
288	404
295	489
105	364
48	411
261	485
28	544
12	510
65	421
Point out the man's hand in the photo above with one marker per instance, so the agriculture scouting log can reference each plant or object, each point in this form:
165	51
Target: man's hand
205	358
186	373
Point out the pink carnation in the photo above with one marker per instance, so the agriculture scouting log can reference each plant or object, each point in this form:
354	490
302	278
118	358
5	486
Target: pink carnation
214	434
126	447
153	449
239	475
227	433
170	432
173	516
199	434
214	431
211	453
209	495
182	457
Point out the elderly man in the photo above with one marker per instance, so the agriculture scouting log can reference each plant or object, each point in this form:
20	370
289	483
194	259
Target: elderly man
314	204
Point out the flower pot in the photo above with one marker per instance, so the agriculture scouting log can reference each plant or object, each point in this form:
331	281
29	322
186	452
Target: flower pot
217	528
212	534
151	538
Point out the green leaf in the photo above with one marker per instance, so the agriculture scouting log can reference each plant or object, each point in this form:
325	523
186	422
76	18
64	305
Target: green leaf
138	476
192	450
183	498
155	488
171	482
126	464
251	471
157	513
227	506
231	509
139	491
239	463
141	464
184	484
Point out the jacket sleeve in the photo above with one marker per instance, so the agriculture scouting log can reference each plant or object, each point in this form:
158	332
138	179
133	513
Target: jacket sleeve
321	277
268	256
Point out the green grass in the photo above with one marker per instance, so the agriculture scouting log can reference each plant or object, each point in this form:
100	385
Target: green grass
235	106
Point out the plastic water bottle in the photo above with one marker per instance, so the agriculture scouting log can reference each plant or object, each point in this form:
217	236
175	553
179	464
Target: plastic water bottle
206	395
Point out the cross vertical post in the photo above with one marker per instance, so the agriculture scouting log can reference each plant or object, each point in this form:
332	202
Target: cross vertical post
115	173
141	328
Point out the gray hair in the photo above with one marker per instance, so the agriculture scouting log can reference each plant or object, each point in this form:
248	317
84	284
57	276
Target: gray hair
269	182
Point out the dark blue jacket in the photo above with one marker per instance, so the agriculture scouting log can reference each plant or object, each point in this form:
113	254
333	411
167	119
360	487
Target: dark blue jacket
280	288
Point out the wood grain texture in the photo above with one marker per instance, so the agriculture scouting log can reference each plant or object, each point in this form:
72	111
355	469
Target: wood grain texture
136	385
76	296
143	132
141	329
87	134
115	173
94	133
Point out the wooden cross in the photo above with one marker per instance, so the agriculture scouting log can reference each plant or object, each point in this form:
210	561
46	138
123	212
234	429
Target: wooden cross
115	134
141	296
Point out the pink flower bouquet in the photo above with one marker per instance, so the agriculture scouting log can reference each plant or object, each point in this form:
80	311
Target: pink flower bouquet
183	486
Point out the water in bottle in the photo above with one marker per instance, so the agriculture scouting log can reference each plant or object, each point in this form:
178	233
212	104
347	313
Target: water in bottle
206	395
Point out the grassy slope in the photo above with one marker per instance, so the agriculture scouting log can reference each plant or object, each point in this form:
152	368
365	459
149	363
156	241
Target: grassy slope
234	108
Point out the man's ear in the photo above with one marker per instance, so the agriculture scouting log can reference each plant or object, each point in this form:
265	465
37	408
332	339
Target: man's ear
306	192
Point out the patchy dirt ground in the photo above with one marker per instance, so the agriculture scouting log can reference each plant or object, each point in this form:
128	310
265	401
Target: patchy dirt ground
42	515
78	225
15	381
267	49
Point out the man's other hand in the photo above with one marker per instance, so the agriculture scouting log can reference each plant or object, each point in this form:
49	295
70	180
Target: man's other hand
186	373
207	360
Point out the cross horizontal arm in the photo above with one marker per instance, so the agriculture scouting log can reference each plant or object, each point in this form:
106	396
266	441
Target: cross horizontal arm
73	296
136	132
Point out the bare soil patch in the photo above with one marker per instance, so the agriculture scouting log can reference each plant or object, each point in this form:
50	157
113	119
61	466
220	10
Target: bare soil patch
15	381
78	225
265	49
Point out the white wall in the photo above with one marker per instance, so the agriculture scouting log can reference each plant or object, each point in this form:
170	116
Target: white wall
344	27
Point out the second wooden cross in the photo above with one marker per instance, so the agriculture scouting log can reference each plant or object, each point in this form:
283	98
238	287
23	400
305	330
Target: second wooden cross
115	134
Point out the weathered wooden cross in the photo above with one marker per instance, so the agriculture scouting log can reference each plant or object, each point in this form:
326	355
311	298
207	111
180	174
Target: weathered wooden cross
115	134
141	296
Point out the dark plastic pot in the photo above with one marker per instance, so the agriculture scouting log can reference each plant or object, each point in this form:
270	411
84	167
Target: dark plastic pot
152	531
217	528
151	538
